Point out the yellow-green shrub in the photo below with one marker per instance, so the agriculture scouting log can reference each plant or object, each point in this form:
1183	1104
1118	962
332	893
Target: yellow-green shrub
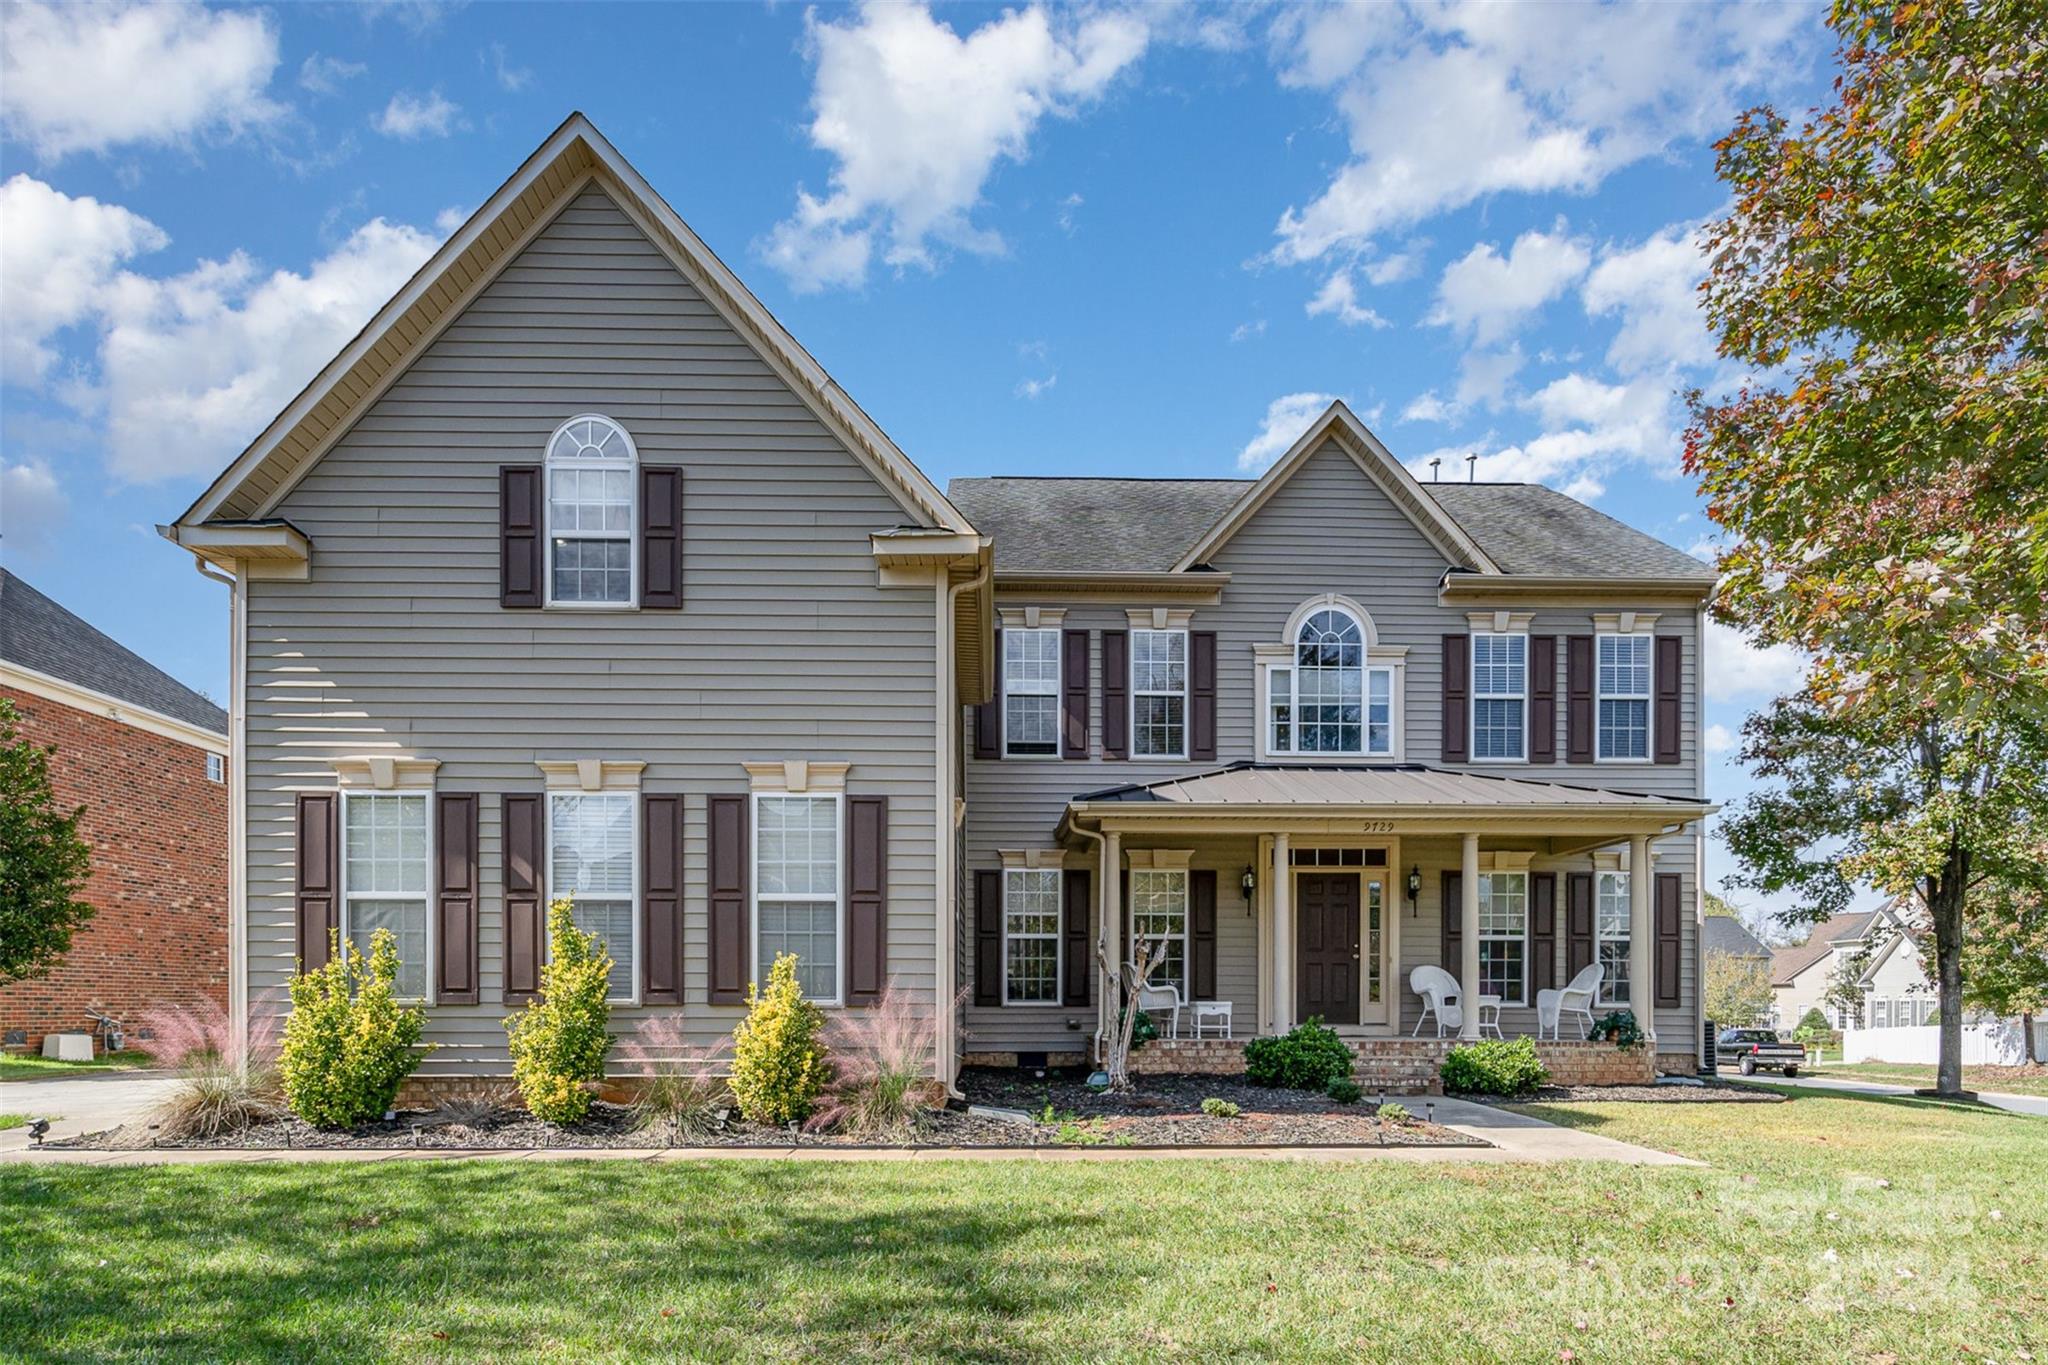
348	1045
559	1041
778	1066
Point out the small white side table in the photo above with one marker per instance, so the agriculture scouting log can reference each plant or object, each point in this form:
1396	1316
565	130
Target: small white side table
1486	1003
1206	1012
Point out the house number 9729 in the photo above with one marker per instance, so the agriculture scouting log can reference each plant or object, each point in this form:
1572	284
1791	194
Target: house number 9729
1377	827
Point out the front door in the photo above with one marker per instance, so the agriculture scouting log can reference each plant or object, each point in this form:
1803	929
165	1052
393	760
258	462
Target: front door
1326	940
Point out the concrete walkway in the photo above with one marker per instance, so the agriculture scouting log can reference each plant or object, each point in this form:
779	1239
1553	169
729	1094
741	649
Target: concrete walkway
86	1102
2032	1105
1515	1138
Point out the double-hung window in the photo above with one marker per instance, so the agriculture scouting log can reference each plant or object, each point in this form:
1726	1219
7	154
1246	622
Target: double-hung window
1031	693
1326	700
1159	693
1159	914
1624	696
1503	934
1610	932
590	509
1031	936
592	858
797	907
1500	675
385	858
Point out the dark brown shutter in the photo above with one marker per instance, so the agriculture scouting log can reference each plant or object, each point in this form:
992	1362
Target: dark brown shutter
1543	699
1578	699
1074	694
1454	925
867	899
661	537
455	899
661	927
988	938
1578	923
1669	676
520	561
1669	940
988	716
1077	902
1542	931
316	890
525	895
1202	933
727	874
1116	694
1457	696
1202	696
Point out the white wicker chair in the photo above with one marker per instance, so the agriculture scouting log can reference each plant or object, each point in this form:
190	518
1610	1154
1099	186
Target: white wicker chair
1441	997
1576	998
1155	998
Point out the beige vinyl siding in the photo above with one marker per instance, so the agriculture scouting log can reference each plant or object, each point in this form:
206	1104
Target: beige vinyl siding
1328	529
786	647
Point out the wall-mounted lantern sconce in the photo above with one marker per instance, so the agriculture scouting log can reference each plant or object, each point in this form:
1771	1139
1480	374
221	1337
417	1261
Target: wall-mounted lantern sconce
1250	882
1414	887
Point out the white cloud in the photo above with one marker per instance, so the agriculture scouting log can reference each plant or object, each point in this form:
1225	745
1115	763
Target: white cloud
1065	214
1427	407
1446	103
1736	668
193	366
1718	739
83	78
57	256
1287	417
510	78
32	506
1486	294
1339	297
1245	331
917	117
411	116
1402	265
1590	428
1032	388
326	75
1484	376
1654	287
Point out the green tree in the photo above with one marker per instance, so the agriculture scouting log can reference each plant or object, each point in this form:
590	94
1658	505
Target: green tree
43	862
1884	480
2005	956
1723	908
1736	991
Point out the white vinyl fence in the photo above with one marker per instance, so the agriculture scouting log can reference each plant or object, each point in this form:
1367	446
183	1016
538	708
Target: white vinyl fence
1993	1042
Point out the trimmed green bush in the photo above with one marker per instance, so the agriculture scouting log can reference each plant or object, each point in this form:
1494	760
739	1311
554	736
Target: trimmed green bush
1395	1114
1494	1067
347	1045
1308	1057
1344	1090
1217	1108
559	1041
778	1064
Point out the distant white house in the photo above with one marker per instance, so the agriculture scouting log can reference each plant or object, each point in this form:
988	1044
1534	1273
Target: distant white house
1881	950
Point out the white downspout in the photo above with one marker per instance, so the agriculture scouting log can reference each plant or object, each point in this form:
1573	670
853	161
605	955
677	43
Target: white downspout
948	993
238	800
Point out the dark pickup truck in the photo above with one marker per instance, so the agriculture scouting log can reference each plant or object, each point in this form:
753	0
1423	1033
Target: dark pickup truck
1750	1050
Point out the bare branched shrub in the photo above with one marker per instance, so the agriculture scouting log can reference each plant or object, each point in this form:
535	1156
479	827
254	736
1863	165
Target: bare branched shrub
226	1081
683	1084
882	1068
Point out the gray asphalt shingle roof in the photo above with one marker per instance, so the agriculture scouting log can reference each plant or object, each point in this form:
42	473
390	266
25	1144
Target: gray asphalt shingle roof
1080	525
38	634
1724	934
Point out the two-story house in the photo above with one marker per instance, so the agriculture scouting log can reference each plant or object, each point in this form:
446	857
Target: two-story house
574	574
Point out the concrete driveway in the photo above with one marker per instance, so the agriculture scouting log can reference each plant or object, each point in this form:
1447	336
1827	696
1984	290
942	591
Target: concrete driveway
84	1103
2016	1104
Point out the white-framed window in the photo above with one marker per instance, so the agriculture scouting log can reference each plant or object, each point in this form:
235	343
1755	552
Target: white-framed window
1500	680
1881	1013
798	903
386	855
593	856
1504	935
216	768
1623	697
1610	935
1159	694
1159	912
1031	693
591	513
1327	699
1031	935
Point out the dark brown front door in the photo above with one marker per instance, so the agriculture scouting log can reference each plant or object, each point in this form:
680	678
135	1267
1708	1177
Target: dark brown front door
1326	946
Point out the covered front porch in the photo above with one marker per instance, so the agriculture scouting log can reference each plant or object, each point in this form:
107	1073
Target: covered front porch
1332	885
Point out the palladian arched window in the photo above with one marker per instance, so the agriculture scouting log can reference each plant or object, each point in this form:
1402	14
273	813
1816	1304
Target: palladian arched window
590	478
1327	696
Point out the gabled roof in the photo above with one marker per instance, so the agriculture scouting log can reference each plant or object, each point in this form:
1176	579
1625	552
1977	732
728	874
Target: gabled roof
1728	937
38	635
1529	529
574	156
1835	931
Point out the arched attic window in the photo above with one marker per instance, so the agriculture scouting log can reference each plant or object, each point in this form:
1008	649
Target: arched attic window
591	465
1326	695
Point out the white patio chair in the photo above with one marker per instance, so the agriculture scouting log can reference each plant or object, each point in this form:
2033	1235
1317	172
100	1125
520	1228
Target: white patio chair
1576	998
1155	998
1441	997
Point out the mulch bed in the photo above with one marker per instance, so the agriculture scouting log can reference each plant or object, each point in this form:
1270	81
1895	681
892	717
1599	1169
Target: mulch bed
1712	1092
1164	1111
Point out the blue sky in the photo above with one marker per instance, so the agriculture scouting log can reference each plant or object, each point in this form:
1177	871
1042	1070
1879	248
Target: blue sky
1028	240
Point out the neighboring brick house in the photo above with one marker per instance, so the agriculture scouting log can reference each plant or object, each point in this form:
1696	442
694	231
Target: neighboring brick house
147	758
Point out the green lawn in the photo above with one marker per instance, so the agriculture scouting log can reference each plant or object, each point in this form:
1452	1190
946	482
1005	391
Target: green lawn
2013	1080
23	1068
8	1121
1938	1251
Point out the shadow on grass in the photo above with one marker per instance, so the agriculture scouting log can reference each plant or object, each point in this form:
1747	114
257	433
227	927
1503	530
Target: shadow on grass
1592	1115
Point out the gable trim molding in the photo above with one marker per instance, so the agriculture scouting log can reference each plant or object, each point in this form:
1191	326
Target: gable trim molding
109	707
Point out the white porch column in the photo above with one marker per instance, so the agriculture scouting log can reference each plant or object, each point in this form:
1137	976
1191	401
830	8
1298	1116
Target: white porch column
1642	938
1468	911
1283	936
1112	928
